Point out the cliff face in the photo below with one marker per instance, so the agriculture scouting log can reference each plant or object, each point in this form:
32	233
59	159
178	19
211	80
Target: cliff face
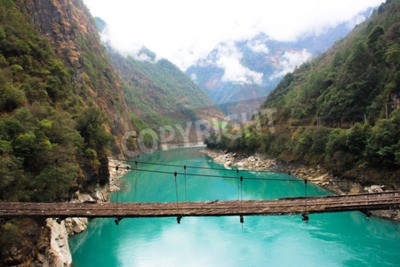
61	104
62	22
69	27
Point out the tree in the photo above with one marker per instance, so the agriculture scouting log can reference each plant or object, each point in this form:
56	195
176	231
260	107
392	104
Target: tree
54	184
211	141
375	40
357	139
90	125
10	98
383	142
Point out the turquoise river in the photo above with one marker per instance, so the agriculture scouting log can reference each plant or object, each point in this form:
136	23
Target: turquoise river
335	239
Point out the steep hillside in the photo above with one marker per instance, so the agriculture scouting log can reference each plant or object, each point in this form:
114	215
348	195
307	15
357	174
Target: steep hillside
158	93
61	107
341	110
72	32
239	75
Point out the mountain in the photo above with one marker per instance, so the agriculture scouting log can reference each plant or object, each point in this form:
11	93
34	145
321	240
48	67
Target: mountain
341	110
158	94
239	75
71	31
62	112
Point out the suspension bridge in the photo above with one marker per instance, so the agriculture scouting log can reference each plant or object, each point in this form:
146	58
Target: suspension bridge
282	206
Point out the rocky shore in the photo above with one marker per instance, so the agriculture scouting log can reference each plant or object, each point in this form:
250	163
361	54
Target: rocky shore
316	175
58	253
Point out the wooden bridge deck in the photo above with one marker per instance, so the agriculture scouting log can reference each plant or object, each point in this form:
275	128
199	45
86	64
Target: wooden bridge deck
285	206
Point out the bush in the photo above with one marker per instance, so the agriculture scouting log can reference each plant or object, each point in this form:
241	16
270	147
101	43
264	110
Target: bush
11	98
90	125
251	141
383	142
54	183
211	141
5	147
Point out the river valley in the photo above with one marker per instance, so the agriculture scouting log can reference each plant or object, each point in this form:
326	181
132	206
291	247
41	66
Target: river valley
335	239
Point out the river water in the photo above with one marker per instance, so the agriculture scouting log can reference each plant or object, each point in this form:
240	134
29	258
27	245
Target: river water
335	239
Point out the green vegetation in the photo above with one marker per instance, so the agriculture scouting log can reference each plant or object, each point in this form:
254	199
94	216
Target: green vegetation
46	135
341	110
55	105
158	93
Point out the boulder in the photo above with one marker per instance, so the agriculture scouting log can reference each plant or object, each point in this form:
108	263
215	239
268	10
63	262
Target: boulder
228	164
76	225
374	189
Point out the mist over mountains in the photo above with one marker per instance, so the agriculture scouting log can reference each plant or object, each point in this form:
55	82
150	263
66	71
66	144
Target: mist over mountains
158	94
238	75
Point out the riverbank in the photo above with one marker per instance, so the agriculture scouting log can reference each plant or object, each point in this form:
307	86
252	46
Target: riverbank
316	175
58	253
263	241
167	146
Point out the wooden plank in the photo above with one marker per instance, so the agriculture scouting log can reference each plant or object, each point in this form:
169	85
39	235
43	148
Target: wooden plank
286	206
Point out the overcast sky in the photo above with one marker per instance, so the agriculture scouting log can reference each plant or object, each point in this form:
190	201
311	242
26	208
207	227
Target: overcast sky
185	30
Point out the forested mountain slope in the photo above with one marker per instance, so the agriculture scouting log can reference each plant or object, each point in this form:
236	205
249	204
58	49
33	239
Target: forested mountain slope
158	93
71	30
342	109
62	112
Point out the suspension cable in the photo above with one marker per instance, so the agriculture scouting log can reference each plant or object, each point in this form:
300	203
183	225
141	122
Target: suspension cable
193	167
169	165
237	172
305	214
241	190
176	190
220	176
179	217
241	200
135	178
184	169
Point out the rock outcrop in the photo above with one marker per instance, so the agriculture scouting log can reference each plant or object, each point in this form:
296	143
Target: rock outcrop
58	253
115	173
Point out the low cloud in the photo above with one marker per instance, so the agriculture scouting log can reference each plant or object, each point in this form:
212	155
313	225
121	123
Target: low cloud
258	46
135	50
194	78
186	31
355	21
143	57
291	60
229	58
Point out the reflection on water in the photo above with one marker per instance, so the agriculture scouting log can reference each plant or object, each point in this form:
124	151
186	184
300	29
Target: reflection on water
340	239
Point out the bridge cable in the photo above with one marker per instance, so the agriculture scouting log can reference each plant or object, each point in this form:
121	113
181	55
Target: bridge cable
237	171
241	200
305	213
200	175
179	217
135	177
305	191
240	196
124	160
118	218
222	176
191	167
184	170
